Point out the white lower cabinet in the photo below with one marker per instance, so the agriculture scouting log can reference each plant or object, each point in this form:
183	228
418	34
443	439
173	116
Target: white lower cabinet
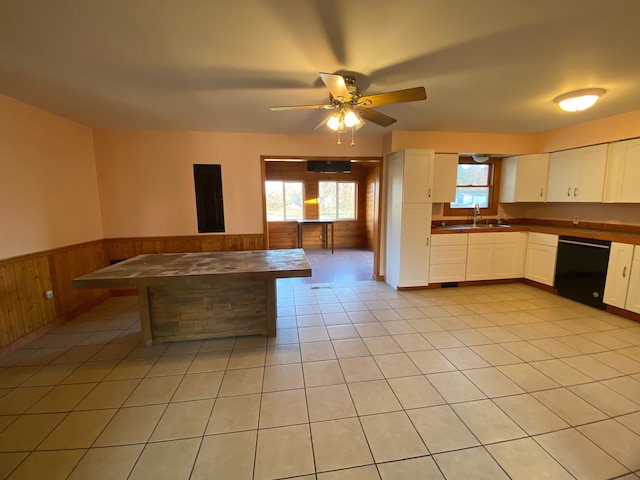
540	262
633	293
448	260
493	256
618	273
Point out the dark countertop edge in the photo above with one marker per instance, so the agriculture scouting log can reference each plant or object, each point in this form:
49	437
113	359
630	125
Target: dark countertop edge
575	232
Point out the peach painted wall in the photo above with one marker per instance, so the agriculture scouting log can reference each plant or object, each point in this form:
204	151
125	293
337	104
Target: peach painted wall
461	142
146	177
48	186
610	129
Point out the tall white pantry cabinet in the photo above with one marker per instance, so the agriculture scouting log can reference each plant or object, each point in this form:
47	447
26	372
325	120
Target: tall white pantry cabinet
410	194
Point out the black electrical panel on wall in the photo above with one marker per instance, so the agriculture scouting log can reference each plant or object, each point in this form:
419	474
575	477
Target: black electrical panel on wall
208	182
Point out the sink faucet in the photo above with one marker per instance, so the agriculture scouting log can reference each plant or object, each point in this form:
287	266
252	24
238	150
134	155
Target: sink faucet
476	214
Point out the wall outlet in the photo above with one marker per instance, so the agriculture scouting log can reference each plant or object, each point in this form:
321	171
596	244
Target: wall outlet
576	219
48	294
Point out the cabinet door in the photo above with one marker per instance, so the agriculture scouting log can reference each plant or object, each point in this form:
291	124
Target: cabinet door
615	288
414	245
577	175
633	294
564	171
418	174
623	172
541	263
506	261
524	178
445	177
479	260
593	161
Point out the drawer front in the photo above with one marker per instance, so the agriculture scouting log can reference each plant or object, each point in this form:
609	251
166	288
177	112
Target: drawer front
447	273
543	239
449	239
448	254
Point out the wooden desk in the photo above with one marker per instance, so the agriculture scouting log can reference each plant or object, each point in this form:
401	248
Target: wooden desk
324	223
188	296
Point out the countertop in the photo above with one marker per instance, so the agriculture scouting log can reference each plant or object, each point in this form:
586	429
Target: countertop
170	268
610	235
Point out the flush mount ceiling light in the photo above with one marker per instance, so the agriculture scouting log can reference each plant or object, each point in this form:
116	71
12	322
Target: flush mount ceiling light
480	157
579	100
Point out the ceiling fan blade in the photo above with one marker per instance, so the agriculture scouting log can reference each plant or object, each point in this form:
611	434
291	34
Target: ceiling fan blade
302	107
336	85
399	96
371	115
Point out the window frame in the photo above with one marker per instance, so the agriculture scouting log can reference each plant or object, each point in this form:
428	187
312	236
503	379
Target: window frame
284	203
355	200
494	190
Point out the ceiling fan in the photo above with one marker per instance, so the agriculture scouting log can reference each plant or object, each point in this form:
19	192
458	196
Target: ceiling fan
354	107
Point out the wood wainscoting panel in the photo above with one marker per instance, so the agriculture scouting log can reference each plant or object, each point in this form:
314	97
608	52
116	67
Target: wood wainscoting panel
25	279
23	282
71	262
123	248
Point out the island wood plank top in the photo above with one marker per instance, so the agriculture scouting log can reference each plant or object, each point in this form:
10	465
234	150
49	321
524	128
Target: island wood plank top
189	296
169	268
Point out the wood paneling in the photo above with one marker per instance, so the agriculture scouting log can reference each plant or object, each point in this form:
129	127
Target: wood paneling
24	280
69	263
123	248
348	234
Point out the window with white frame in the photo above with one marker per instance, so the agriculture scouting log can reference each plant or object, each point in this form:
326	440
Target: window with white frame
337	200
284	200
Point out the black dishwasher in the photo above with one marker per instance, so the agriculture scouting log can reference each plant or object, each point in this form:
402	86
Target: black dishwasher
581	269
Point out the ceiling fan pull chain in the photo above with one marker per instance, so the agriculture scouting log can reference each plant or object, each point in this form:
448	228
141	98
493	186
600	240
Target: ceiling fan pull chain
339	142
353	130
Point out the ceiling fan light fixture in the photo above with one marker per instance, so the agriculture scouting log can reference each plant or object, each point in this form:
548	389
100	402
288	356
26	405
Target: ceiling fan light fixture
579	100
351	119
334	122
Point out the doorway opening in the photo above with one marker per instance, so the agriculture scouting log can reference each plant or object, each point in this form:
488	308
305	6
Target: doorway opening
295	194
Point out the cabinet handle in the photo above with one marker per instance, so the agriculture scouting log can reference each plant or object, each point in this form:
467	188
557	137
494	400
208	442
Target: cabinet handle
569	192
429	193
575	192
541	192
624	272
428	243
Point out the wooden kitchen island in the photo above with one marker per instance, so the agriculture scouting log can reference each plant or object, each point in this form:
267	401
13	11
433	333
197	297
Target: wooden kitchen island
189	296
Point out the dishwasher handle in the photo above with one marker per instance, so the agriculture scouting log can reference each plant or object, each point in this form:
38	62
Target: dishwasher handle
585	244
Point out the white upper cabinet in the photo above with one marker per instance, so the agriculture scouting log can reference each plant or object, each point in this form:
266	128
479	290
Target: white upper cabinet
445	177
426	177
524	178
417	178
623	172
577	175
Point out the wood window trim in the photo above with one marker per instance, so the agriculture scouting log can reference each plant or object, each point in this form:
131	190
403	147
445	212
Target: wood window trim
494	191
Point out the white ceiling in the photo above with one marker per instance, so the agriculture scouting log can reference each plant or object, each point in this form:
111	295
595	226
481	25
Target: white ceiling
487	65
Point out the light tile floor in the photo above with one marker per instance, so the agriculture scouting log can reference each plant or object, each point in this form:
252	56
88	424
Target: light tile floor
362	382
